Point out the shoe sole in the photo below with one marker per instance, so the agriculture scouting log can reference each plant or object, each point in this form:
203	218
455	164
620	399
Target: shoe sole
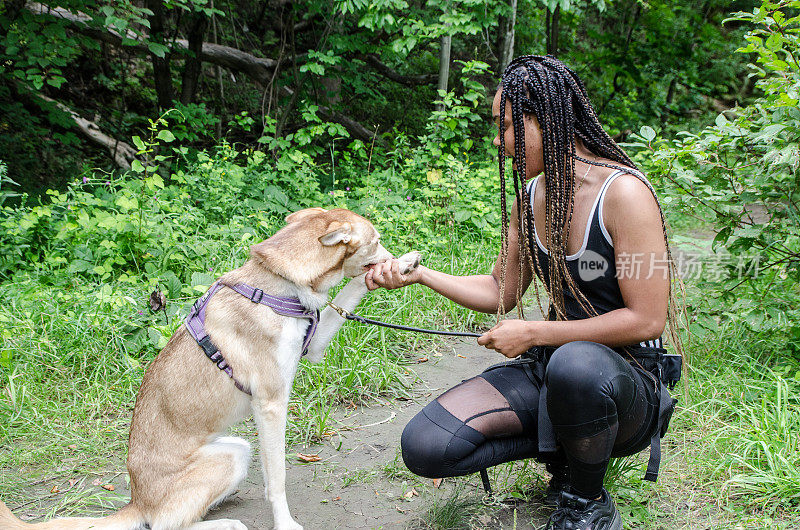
616	522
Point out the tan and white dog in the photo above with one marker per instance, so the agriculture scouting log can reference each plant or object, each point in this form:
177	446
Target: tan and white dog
179	463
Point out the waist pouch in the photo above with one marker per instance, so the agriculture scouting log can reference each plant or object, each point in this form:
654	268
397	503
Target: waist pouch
665	366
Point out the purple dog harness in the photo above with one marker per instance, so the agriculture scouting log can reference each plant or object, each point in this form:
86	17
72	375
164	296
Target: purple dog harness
290	307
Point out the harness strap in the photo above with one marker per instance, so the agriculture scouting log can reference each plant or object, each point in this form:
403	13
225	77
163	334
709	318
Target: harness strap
546	435
666	406
291	307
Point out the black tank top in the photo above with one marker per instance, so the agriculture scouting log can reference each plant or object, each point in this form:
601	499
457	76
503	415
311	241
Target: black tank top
593	267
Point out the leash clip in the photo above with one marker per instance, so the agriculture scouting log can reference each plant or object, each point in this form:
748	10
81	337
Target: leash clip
342	312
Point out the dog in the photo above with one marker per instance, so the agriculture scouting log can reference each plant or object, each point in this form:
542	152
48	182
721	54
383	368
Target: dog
179	462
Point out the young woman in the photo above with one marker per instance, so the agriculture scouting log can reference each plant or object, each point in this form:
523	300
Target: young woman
582	388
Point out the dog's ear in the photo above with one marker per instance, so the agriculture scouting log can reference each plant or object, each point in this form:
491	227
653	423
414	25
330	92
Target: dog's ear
296	216
337	232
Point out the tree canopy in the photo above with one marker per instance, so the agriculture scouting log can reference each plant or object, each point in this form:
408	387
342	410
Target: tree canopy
72	70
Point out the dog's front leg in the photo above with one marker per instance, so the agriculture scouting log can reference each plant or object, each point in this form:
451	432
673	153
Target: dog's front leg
348	298
330	321
270	416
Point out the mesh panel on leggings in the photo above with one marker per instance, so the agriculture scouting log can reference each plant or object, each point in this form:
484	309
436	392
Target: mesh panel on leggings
482	407
588	457
593	449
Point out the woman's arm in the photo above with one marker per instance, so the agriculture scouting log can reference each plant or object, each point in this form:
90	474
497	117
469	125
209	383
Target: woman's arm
633	220
478	292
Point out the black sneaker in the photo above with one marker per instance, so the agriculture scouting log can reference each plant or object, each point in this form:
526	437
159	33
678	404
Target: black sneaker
558	483
577	513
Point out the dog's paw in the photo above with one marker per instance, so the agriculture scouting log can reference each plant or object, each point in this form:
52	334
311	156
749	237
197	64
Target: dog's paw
409	261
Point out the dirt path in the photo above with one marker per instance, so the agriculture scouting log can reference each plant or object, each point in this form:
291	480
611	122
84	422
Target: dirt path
360	481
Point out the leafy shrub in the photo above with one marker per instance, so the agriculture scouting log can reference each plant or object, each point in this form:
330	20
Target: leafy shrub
742	171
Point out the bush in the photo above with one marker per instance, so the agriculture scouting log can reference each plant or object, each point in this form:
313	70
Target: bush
742	171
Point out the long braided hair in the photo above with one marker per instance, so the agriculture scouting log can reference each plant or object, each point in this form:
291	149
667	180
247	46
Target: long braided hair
546	88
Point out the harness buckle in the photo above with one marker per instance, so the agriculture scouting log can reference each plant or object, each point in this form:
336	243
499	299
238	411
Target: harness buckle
208	347
259	292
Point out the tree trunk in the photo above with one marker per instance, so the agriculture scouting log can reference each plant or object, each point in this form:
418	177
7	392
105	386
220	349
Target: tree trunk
162	76
670	98
444	63
194	62
259	69
507	51
551	22
386	71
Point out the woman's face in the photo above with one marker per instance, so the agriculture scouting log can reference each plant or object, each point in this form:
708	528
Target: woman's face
534	161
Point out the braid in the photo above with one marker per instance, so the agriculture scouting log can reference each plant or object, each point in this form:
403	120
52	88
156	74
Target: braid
504	221
544	87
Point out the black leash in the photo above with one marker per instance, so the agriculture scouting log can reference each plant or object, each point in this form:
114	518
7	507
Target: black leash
350	316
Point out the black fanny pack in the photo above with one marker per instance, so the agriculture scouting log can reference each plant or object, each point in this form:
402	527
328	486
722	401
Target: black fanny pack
665	366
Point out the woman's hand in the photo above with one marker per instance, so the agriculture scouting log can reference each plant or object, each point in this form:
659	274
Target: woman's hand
512	338
388	275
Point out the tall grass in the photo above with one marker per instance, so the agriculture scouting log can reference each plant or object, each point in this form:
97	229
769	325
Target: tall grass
744	407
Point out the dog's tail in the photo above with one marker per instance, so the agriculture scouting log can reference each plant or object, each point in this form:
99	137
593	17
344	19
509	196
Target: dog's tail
128	518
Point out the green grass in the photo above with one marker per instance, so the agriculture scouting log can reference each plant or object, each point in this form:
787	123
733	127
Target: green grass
452	510
70	368
742	407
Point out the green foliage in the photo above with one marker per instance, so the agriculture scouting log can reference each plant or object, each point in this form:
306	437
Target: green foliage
742	172
449	130
36	50
673	48
655	63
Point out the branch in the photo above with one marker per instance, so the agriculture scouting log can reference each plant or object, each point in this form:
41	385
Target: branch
411	80
257	68
353	127
121	152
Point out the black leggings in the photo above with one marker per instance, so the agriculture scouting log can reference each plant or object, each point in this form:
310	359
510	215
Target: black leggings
599	404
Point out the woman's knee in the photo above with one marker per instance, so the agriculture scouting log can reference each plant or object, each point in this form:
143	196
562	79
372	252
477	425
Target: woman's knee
420	446
434	443
581	366
587	379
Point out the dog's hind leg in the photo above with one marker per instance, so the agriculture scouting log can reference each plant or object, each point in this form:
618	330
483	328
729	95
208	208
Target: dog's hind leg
213	474
270	416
